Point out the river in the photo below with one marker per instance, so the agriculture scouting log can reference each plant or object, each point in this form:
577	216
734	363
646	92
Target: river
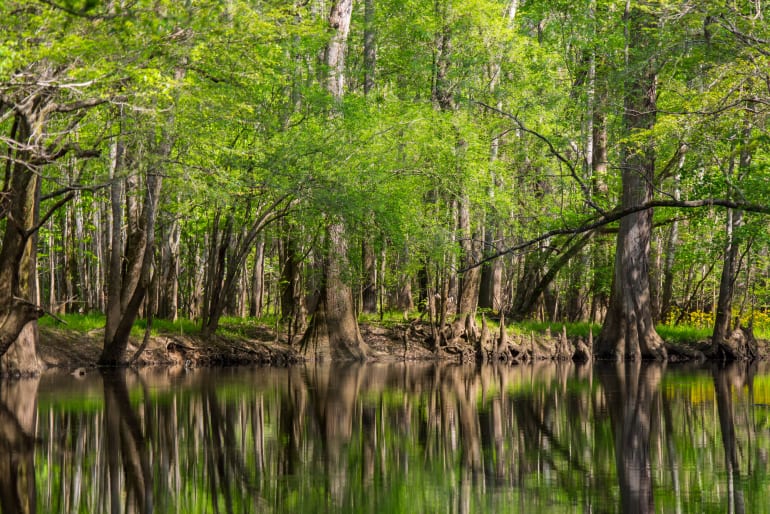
416	437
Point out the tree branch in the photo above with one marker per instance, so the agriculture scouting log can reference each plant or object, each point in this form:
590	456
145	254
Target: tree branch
573	172
618	213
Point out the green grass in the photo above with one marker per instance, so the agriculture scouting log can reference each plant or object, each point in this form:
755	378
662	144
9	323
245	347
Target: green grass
683	333
240	327
580	329
389	318
80	323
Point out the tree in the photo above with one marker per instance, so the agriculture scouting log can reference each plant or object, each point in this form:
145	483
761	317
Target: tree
45	113
334	322
628	331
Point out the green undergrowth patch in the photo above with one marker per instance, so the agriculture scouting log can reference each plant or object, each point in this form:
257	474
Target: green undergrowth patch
683	333
81	323
386	319
164	326
676	334
244	327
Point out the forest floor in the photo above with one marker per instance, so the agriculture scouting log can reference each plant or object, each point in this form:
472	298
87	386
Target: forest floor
68	349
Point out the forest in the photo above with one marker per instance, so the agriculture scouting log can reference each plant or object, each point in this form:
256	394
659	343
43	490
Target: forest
313	161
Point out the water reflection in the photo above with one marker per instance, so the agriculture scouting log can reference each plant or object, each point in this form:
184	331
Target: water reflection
17	443
128	467
631	389
734	378
389	438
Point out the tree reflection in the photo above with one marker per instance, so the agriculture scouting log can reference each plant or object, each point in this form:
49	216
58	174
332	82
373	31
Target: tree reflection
630	389
738	376
427	437
18	415
127	458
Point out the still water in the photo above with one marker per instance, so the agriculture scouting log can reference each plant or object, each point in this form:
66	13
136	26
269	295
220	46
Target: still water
389	438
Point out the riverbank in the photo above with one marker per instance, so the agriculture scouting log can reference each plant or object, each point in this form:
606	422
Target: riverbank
67	349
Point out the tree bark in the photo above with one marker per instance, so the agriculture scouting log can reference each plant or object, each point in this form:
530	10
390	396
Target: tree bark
18	299
369	293
629	331
114	349
730	261
168	306
129	283
470	281
258	280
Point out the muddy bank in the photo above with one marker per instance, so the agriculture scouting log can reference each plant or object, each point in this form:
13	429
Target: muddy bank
68	350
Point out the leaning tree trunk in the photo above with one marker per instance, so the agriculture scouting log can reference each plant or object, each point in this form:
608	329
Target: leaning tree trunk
228	261
18	300
130	274
629	331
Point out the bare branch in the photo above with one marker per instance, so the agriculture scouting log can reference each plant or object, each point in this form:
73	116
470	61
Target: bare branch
573	171
74	188
43	219
616	214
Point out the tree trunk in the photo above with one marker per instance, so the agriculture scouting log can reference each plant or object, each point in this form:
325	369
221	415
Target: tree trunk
334	325
535	281
334	321
470	281
491	288
18	300
168	306
370	47
258	280
628	331
129	284
293	310
672	243
730	262
369	292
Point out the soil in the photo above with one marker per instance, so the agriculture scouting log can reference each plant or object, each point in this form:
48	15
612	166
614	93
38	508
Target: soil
68	350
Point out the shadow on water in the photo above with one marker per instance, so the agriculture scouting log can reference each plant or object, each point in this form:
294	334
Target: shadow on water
424	437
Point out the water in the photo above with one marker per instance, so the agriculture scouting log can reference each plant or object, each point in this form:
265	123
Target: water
389	438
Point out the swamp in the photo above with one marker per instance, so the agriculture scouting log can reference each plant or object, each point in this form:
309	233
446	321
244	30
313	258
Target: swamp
415	437
384	256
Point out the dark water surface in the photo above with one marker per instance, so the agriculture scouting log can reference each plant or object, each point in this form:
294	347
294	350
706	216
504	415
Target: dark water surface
390	438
